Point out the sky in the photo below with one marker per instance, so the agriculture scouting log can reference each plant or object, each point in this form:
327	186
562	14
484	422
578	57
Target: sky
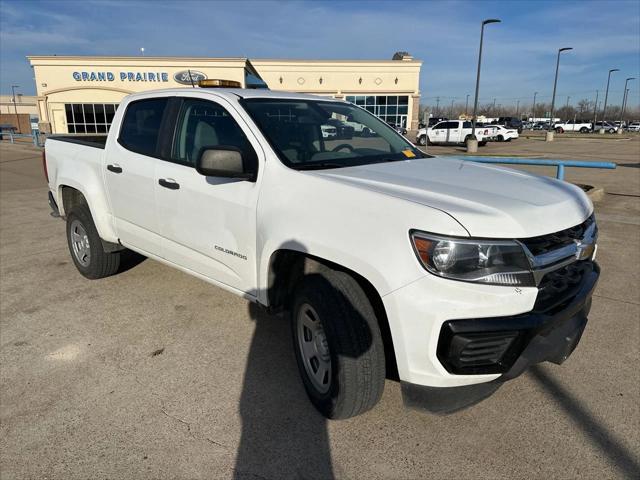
518	58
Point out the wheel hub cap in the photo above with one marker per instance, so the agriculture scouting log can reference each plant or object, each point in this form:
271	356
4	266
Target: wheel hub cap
314	348
80	243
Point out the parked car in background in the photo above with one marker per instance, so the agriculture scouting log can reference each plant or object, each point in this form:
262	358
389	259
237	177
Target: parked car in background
541	126
504	134
452	132
398	128
526	125
328	131
343	130
573	126
633	127
510	122
608	127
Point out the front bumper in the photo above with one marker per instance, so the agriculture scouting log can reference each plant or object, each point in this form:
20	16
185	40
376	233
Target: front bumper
533	338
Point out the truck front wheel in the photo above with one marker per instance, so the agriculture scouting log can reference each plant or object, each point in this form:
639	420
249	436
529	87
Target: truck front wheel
86	248
338	345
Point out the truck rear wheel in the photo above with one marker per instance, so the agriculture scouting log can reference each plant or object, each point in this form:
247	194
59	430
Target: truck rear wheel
86	248
584	130
422	140
338	345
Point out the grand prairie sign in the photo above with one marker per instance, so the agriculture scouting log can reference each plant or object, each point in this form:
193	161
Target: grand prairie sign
184	77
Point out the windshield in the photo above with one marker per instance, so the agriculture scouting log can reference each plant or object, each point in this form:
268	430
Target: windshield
310	134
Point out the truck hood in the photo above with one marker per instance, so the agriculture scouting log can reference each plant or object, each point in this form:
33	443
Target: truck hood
488	201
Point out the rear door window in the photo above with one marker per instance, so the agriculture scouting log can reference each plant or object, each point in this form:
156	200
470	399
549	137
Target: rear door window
141	126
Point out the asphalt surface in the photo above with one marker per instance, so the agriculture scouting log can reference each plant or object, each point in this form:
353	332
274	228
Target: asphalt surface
155	374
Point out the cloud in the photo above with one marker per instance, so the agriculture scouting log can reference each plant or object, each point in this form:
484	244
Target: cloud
519	53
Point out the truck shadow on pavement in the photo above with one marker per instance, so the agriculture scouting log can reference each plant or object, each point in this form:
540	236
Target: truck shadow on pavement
283	436
597	433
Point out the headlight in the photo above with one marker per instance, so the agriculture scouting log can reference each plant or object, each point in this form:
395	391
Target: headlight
493	262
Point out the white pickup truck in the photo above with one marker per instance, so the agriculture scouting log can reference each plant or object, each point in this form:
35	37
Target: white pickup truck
453	132
448	275
573	126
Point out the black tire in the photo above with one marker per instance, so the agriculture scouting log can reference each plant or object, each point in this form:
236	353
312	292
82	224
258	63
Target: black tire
355	349
559	130
422	140
612	130
98	264
500	138
584	130
482	143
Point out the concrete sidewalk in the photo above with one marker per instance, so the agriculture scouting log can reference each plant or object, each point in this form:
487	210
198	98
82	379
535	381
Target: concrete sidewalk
155	374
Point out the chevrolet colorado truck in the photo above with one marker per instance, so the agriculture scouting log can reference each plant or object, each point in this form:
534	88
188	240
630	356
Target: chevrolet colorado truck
449	275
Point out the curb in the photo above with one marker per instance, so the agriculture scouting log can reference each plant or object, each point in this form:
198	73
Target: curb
595	193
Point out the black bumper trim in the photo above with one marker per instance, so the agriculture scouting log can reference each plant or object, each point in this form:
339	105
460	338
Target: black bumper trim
552	338
443	401
528	327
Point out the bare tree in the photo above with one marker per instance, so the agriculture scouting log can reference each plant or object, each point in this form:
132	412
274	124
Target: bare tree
585	106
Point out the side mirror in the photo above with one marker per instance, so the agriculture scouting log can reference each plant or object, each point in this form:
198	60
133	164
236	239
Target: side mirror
224	161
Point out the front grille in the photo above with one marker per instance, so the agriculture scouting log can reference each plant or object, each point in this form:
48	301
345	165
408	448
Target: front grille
557	288
546	243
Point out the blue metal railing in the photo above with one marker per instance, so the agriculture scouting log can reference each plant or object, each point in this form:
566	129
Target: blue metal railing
34	135
559	164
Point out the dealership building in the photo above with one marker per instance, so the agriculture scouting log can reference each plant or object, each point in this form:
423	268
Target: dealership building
80	94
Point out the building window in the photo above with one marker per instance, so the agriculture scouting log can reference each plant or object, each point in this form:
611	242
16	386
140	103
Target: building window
390	108
93	118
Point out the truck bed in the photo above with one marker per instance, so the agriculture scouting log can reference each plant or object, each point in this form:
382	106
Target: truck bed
95	141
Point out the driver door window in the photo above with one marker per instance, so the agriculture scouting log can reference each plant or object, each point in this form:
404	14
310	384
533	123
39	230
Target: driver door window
202	124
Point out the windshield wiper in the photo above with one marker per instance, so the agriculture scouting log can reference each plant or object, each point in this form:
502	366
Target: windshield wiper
320	166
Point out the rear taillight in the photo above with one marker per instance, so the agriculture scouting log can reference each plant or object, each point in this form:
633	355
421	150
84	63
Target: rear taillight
44	165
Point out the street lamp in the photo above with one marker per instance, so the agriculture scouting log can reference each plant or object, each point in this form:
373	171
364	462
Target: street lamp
595	110
606	96
451	111
472	145
466	106
624	102
553	98
517	107
15	106
533	119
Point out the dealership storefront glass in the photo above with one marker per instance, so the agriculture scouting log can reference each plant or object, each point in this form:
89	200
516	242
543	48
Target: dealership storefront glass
89	117
390	108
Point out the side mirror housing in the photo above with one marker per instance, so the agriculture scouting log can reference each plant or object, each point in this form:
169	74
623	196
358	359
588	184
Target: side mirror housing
226	161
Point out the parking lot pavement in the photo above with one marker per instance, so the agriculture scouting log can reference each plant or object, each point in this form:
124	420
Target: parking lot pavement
155	374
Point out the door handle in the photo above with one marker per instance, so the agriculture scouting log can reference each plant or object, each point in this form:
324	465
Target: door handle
169	183
115	168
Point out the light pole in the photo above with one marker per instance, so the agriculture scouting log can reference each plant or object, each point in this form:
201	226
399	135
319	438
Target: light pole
15	106
606	96
595	110
624	102
567	105
549	137
517	107
466	106
472	144
533	119
437	106
451	111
